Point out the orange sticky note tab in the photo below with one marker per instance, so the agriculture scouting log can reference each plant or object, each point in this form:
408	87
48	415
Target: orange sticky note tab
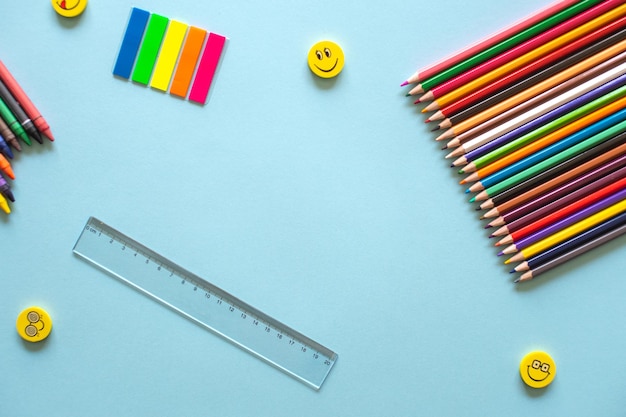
187	62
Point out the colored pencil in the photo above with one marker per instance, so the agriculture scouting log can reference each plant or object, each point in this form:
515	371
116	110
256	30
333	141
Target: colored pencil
490	40
545	118
534	95
572	212
568	232
446	95
547	145
534	37
612	152
552	161
584	248
556	199
566	246
583	48
486	153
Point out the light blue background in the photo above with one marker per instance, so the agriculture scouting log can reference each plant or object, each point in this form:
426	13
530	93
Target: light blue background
326	204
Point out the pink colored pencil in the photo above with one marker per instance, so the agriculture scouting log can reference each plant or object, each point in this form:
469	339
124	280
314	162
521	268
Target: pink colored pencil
522	49
489	41
206	68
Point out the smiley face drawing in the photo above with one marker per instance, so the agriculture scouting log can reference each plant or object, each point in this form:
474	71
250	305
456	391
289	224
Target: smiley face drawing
69	8
537	369
326	59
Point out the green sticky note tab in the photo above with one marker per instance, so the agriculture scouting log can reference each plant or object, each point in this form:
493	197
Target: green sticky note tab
150	48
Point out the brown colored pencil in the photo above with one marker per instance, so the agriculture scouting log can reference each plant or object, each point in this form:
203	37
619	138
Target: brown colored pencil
506	201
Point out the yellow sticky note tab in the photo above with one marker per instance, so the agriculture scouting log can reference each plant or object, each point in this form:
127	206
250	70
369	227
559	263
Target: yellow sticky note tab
168	56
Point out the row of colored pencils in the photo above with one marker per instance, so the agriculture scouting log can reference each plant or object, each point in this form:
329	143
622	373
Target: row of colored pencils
20	121
535	117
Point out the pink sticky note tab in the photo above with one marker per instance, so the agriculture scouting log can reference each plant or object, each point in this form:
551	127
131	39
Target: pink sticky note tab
206	68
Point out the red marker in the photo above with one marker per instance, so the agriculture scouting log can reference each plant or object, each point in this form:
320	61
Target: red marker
27	105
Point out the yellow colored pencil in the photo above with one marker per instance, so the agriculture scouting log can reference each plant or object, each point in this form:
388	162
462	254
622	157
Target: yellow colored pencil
568	232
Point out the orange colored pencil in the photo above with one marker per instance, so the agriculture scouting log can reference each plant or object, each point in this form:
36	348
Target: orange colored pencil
544	90
533	55
544	141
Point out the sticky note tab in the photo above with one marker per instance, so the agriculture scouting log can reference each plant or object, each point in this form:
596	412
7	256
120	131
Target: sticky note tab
187	62
130	44
169	54
206	69
150	48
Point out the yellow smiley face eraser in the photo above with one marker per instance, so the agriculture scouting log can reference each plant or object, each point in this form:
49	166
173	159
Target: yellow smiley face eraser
326	59
537	369
69	8
33	324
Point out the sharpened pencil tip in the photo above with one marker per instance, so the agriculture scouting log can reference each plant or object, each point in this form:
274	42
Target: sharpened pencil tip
407	95
444	148
404	83
435	129
500	254
461	171
472	199
512	271
467	192
516	281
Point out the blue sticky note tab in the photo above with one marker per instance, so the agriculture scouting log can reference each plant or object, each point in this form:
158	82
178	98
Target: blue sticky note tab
131	42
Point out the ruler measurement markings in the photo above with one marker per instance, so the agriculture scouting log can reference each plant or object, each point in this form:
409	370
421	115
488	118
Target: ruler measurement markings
238	312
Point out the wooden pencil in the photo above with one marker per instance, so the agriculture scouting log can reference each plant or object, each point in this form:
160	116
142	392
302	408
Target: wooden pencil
468	70
570	244
534	95
550	162
491	40
555	199
611	152
538	149
541	120
579	250
442	99
568	232
607	194
575	52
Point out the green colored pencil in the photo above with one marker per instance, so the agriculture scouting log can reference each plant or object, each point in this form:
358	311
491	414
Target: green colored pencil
549	127
506	44
550	162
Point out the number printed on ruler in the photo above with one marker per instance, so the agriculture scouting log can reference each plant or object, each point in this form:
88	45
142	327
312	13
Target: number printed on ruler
205	304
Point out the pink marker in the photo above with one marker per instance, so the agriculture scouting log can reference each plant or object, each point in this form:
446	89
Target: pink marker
206	69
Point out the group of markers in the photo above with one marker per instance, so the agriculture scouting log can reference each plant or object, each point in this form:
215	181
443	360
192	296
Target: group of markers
19	121
535	116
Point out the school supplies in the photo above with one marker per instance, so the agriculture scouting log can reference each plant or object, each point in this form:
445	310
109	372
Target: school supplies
204	303
19	119
536	115
164	54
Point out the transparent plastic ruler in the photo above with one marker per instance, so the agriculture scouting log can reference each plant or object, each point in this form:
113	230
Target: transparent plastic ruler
204	303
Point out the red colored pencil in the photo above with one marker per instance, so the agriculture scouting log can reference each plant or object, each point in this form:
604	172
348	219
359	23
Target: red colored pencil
523	48
528	69
490	40
563	212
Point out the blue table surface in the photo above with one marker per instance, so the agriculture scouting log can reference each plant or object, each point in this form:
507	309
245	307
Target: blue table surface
325	203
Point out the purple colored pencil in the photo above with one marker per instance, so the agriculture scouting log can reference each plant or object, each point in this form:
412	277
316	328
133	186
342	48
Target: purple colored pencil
569	220
563	195
547	117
